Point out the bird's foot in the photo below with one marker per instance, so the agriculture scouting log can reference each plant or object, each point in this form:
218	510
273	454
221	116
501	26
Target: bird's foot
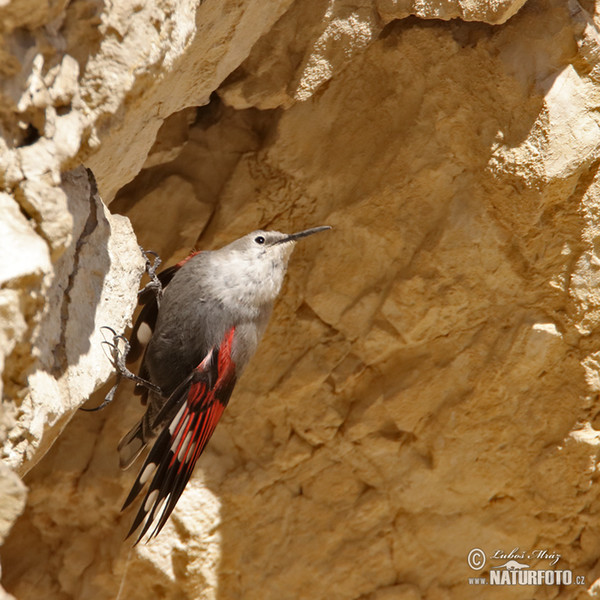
118	357
154	285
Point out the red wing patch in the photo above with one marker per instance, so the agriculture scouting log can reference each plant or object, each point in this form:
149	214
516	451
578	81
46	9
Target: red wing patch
197	405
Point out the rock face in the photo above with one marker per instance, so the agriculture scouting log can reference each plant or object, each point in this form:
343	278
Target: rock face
429	384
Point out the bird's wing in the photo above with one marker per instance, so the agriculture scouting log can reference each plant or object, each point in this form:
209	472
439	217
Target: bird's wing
196	405
146	320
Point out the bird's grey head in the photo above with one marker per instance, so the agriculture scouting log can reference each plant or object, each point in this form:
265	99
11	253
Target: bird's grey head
252	268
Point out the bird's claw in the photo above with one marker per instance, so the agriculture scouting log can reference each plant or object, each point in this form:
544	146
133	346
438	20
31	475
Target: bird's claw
118	359
107	399
151	266
117	356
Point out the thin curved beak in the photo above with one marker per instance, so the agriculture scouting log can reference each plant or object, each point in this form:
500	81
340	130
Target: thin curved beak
300	234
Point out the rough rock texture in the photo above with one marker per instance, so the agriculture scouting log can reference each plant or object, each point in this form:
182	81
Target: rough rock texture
430	381
492	11
60	361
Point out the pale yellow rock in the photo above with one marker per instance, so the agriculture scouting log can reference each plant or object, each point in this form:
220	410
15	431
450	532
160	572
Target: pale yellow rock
22	252
53	354
13	499
309	44
429	382
12	502
171	138
181	63
492	11
173	207
14	13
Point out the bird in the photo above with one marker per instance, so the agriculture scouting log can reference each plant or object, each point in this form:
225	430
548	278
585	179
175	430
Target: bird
200	323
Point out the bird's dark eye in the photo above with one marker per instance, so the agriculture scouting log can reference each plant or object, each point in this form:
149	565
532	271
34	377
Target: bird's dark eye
259	239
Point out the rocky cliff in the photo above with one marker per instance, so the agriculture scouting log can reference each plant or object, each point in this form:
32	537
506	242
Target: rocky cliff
429	384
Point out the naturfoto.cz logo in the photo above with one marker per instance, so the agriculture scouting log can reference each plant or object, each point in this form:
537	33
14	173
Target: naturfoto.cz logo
513	568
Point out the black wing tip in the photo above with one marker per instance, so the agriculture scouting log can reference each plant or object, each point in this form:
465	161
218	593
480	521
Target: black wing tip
143	532
135	490
158	520
193	406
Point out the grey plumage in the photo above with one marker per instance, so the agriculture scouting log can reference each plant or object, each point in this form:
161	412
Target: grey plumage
211	293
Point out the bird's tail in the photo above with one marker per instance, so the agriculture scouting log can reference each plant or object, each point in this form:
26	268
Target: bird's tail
132	445
134	442
142	433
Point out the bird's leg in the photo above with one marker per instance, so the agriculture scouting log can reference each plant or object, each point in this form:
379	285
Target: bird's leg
118	359
154	284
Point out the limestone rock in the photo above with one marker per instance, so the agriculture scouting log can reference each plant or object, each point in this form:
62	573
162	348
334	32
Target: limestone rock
92	283
13	499
68	266
429	382
493	12
12	502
